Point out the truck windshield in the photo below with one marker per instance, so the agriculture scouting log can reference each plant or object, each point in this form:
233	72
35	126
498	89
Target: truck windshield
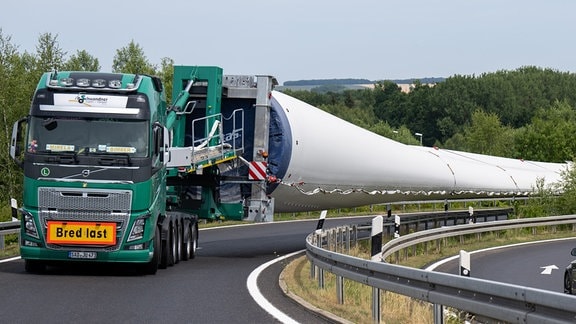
101	136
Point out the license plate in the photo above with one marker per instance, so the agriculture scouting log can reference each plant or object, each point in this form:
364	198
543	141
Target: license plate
82	255
88	233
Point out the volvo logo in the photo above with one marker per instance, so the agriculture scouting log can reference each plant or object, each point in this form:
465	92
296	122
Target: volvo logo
45	172
85	173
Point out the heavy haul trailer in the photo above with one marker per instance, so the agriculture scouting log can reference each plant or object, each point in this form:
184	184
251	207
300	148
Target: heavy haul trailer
113	174
224	130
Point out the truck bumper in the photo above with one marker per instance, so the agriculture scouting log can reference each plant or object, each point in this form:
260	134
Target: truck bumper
122	256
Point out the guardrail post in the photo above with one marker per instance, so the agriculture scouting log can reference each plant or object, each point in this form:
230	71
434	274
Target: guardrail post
347	230
14	207
376	239
335	239
340	289
375	305
318	242
320	270
465	263
320	278
438	314
472	218
341	239
318	237
376	250
320	223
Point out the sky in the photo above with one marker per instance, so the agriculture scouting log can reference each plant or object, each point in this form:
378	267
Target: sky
310	39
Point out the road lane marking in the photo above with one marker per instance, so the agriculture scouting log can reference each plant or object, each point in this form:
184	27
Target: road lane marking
252	285
10	259
548	269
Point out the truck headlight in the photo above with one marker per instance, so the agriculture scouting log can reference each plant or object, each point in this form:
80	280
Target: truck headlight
137	231
30	225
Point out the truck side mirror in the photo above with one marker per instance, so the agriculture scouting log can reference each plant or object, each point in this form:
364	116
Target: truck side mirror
166	144
162	142
16	141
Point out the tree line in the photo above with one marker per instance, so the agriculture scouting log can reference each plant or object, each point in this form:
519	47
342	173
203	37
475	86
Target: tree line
526	113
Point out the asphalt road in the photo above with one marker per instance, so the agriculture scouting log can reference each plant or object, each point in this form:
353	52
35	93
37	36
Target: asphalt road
209	289
522	265
212	288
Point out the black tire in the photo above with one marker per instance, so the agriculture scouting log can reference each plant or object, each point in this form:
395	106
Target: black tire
34	266
567	283
151	267
178	241
172	246
194	240
167	257
186	242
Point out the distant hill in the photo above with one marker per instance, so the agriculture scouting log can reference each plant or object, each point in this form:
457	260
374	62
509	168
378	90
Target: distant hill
319	82
344	82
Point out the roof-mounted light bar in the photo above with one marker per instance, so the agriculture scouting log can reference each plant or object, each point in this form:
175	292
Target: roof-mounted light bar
96	83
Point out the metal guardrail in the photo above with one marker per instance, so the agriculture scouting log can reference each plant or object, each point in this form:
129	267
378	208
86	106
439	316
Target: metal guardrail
11	227
426	220
500	301
439	233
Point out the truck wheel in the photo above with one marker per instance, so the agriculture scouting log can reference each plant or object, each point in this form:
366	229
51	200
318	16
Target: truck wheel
168	248
178	241
567	283
172	240
194	239
186	242
34	266
152	267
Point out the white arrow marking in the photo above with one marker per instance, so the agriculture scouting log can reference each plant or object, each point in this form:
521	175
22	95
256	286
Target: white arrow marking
548	269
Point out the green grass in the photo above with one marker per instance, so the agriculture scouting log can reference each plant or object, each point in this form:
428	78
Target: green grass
10	250
5	213
357	297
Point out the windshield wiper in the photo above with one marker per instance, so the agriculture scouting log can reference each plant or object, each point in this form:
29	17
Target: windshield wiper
60	157
113	158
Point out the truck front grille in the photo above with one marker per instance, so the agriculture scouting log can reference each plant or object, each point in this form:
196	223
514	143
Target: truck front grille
94	205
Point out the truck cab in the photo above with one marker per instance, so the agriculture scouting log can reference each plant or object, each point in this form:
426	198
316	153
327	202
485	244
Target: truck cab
92	151
112	173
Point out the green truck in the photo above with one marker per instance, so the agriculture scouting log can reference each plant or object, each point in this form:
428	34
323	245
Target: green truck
113	173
